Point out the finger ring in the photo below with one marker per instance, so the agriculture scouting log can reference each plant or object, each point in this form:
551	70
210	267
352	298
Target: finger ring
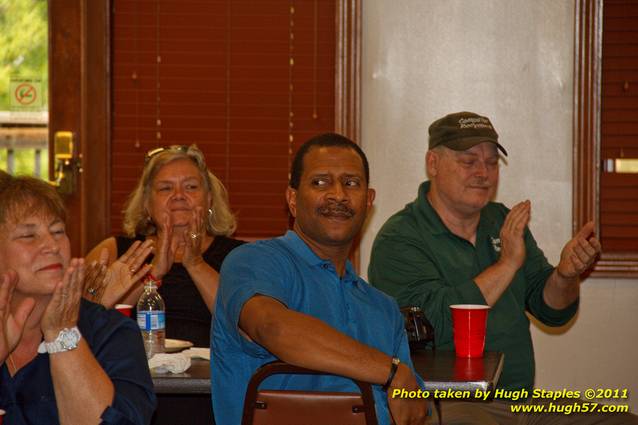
194	235
91	291
132	269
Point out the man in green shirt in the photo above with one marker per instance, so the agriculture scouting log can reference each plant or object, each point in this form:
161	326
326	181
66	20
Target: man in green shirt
452	245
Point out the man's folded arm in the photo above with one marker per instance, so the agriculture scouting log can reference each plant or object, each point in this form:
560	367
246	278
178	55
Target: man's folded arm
305	341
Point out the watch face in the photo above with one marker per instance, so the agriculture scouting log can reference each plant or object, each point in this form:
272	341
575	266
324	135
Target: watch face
69	338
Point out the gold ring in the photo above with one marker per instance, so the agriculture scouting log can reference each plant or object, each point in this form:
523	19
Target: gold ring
194	235
91	291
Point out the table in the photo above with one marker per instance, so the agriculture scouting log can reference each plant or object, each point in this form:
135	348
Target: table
187	395
196	380
444	372
441	370
184	398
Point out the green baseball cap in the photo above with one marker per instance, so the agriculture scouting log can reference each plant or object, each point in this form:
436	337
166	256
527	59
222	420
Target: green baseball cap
462	130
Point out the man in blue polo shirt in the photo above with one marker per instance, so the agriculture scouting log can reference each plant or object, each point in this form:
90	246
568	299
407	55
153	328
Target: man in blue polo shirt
297	297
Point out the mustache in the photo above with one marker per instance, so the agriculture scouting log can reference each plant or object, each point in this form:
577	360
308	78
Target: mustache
336	209
481	183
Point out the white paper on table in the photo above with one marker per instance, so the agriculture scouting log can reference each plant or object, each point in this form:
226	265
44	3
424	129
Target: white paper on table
198	353
173	363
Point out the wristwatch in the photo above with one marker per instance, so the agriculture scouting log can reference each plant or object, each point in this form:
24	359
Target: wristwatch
67	340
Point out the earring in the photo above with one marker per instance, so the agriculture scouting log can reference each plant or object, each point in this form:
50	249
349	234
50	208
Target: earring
211	213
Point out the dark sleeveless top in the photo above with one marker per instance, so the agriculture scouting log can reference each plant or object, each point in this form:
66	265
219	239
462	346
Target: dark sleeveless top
187	316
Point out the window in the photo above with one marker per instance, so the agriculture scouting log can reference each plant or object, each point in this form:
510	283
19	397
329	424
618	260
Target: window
605	130
23	87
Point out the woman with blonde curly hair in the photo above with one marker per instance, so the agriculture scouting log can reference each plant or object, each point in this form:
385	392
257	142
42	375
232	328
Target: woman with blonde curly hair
178	211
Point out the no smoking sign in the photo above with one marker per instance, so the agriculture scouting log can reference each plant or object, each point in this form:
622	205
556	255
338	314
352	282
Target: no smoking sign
25	93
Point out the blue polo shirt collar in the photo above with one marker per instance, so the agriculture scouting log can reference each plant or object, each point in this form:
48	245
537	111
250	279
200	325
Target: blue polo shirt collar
301	249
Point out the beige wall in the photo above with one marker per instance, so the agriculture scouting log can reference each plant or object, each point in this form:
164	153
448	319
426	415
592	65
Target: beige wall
512	61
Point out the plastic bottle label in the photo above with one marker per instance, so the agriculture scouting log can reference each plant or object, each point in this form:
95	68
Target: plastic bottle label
151	320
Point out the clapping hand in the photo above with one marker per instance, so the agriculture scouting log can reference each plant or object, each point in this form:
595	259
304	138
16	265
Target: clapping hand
193	238
64	308
579	253
165	252
95	277
11	324
110	284
512	235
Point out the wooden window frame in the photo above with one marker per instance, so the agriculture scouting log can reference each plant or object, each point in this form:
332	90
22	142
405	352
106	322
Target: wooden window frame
587	140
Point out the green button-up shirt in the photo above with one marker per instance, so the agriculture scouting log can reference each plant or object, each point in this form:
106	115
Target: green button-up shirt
416	259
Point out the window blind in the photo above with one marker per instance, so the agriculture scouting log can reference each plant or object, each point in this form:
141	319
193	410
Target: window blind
248	81
619	126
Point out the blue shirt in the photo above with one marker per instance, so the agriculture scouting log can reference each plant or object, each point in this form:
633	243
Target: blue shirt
29	399
287	270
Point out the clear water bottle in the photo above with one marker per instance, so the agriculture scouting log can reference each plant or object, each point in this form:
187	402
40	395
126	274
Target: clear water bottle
150	319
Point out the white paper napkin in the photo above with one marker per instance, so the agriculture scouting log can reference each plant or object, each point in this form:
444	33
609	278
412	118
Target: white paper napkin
198	353
173	363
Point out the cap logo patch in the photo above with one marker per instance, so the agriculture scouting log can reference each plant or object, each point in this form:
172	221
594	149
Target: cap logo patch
475	122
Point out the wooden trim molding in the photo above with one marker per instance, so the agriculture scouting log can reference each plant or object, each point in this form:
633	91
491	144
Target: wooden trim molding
586	127
96	122
624	264
348	82
65	110
587	80
348	69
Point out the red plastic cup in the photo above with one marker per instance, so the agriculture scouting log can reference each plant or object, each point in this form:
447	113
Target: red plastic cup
2	412
469	322
125	309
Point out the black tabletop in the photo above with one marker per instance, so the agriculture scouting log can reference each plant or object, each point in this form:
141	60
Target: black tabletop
441	370
196	380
